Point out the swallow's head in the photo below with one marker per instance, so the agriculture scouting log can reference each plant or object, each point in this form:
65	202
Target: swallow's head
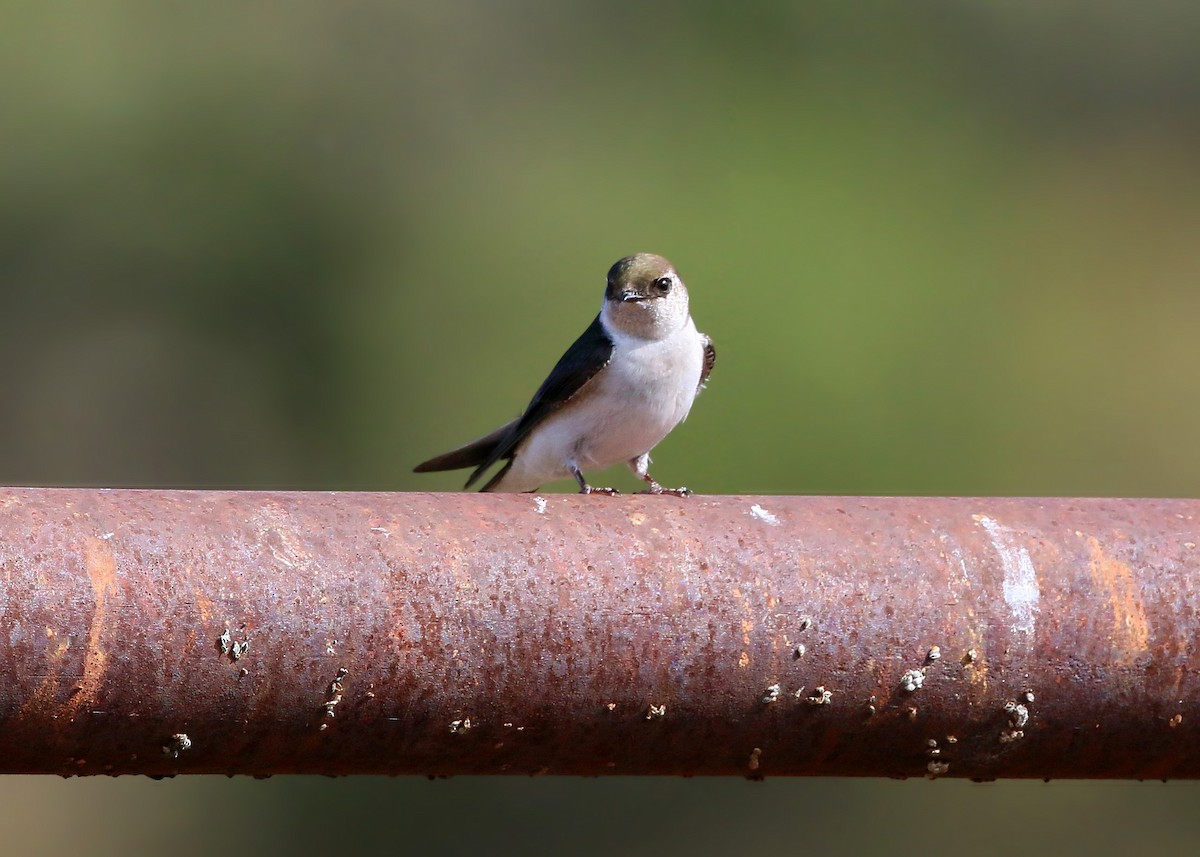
645	297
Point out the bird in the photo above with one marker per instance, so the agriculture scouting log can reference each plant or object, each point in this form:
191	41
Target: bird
624	384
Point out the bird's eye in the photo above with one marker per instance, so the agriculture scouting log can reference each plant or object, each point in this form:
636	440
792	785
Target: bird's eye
663	284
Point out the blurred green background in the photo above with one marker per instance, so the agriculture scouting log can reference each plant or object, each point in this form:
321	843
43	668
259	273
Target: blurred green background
943	248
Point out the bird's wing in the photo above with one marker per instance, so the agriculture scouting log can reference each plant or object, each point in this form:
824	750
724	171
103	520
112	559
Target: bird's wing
584	359
710	360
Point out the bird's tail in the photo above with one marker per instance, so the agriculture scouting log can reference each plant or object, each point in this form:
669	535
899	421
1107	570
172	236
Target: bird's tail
472	454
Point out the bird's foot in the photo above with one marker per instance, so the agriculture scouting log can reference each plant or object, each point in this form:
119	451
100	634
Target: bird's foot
655	488
588	489
584	488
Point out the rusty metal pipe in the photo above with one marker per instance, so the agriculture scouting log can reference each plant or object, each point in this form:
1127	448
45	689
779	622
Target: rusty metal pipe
161	632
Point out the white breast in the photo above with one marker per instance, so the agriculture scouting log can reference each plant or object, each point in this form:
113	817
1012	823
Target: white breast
645	391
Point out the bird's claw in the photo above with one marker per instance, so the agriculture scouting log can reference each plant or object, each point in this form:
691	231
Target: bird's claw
588	489
655	488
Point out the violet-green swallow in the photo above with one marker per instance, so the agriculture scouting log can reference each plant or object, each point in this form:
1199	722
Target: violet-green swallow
619	390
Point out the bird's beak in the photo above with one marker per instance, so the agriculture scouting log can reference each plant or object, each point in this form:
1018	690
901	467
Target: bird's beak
627	297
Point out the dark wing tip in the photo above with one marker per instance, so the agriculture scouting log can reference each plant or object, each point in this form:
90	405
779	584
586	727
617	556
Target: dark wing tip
469	455
494	481
453	460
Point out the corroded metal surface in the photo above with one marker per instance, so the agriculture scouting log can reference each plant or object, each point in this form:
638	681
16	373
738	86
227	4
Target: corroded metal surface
159	632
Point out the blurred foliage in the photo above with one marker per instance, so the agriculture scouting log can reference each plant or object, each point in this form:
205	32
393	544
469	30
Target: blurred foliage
942	248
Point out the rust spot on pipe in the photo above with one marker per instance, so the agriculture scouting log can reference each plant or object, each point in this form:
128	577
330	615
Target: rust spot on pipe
101	568
1130	633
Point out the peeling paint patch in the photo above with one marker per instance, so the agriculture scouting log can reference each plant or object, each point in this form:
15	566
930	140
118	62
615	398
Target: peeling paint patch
762	514
1021	591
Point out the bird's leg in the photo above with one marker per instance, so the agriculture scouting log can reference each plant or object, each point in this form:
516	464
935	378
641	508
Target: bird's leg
641	468
584	488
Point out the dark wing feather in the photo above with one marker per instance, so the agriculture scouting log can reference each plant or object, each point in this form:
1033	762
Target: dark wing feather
587	356
466	456
710	360
495	480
